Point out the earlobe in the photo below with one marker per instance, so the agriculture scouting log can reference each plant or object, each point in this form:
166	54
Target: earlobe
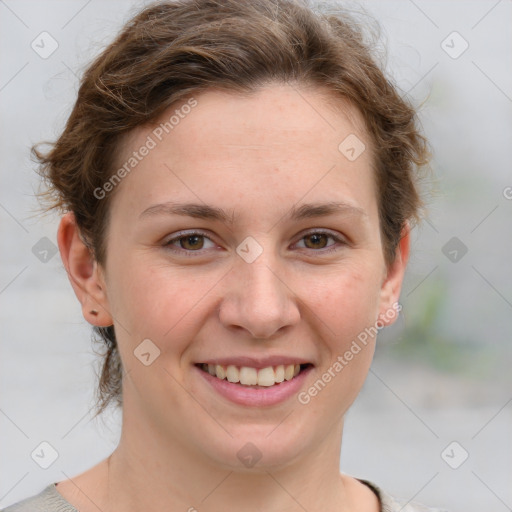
84	273
392	284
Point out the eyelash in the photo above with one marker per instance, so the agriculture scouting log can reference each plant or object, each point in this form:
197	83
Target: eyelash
190	253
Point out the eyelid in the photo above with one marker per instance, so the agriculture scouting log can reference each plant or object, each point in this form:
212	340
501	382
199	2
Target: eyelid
183	234
322	231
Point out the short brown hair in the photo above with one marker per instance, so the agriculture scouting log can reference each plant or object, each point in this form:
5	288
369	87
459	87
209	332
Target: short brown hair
171	50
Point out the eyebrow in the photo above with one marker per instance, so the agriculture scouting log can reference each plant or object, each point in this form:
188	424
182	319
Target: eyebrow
204	211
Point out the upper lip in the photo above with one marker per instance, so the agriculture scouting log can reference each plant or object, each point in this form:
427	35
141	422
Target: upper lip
255	362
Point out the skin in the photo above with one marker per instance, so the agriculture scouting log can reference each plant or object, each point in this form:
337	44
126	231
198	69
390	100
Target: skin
256	156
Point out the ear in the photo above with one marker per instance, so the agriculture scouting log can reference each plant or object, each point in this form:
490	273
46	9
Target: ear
392	284
85	275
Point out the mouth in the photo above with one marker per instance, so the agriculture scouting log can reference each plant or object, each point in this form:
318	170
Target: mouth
257	378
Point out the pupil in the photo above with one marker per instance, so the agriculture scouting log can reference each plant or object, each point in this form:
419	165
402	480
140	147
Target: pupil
194	243
316	239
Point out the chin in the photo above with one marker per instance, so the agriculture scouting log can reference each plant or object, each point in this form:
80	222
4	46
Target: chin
258	448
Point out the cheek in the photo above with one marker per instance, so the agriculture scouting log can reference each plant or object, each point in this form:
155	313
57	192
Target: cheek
345	300
347	308
159	302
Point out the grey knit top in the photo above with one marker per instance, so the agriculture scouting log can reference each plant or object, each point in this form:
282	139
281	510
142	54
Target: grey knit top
50	500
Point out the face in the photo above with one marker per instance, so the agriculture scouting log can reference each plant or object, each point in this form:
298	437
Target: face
279	263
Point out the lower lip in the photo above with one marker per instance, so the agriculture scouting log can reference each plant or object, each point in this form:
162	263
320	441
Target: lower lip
252	396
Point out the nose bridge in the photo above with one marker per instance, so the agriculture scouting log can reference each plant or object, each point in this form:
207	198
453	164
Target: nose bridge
257	298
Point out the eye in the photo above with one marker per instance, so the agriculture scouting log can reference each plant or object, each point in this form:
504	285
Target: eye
317	240
188	243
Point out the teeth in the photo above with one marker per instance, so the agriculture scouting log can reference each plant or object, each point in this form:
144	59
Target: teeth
232	374
288	372
266	377
248	376
279	373
251	376
220	372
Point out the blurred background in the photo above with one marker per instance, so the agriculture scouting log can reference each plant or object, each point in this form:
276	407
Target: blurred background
434	420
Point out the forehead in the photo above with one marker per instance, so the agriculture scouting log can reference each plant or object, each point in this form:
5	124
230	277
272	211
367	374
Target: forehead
280	141
273	115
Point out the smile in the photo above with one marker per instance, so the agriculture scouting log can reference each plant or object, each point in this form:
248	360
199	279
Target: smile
254	377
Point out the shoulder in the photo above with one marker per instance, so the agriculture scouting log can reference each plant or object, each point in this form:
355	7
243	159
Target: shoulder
48	500
391	504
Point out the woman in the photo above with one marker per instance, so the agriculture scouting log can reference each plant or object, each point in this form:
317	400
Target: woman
238	181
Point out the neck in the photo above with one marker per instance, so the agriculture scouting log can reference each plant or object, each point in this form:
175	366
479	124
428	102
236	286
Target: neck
155	472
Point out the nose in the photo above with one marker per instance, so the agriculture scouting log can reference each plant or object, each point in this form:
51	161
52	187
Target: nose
259	299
